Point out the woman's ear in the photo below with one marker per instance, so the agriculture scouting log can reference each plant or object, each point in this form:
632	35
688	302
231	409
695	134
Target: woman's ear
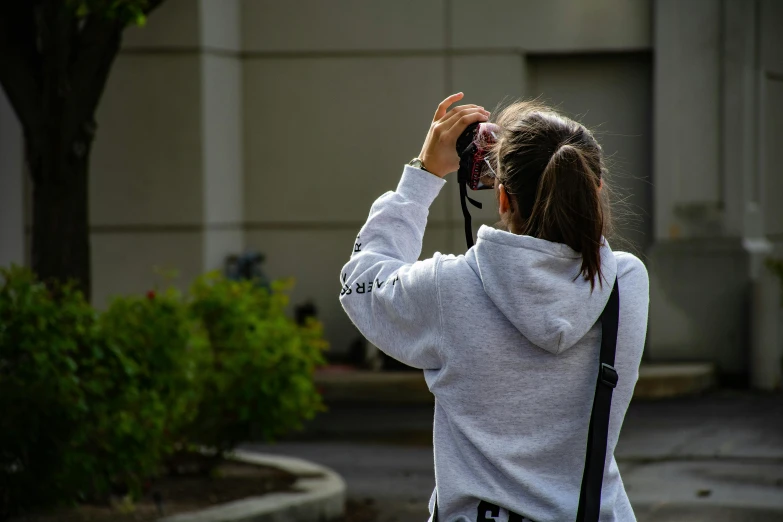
503	202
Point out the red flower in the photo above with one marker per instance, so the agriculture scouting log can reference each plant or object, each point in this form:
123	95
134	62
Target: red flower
151	294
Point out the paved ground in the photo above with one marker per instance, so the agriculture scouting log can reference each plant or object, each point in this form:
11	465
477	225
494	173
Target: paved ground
717	458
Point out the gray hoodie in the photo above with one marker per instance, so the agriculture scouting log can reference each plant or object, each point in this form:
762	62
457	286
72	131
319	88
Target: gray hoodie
508	341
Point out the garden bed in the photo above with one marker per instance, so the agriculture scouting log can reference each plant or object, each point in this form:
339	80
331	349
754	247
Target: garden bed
181	493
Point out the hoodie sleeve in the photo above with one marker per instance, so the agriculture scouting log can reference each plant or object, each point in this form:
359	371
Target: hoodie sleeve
390	296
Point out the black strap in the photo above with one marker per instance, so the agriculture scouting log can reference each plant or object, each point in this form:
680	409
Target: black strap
464	198
592	480
598	432
463	175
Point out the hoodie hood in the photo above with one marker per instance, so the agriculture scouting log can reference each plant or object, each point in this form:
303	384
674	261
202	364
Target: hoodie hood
534	283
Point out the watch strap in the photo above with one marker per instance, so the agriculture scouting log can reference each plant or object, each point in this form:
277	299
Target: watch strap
418	164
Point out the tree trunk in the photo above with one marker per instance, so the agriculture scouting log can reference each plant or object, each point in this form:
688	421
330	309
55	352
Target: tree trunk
61	236
53	67
76	58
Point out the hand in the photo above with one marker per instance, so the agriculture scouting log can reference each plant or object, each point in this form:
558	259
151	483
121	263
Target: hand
439	153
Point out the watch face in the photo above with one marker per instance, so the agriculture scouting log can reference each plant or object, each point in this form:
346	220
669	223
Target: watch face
415	163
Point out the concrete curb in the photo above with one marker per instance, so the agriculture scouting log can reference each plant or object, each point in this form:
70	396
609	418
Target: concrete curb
319	496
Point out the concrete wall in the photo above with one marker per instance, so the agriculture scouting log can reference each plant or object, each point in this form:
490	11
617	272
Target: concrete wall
167	171
771	111
611	93
698	286
12	241
717	113
766	364
338	97
222	107
232	124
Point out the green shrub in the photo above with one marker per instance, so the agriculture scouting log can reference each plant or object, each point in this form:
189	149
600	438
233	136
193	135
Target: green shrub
155	389
43	403
89	404
260	384
92	404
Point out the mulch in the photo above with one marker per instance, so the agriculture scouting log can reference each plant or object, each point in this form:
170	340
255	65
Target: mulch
180	493
360	511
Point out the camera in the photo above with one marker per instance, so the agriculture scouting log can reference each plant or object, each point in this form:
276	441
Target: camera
475	171
473	147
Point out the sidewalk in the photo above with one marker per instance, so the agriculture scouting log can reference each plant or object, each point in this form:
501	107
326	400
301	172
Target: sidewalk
716	458
722	452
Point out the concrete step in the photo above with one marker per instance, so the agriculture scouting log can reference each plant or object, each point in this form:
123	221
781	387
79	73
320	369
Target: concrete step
665	380
361	386
408	387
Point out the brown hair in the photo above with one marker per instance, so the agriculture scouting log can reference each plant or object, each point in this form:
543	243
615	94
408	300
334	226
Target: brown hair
552	168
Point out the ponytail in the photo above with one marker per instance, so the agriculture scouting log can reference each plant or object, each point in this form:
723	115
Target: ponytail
553	170
568	208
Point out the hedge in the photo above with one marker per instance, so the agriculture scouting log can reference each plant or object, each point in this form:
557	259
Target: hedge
95	403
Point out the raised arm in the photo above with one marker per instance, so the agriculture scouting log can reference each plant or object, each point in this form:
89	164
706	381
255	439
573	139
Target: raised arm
390	296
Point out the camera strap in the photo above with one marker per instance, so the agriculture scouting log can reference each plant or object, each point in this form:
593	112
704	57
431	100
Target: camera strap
598	432
462	178
464	198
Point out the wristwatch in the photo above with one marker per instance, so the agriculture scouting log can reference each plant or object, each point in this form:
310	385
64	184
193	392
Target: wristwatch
416	163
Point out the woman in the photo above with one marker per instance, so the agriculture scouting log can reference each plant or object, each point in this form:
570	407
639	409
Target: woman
507	335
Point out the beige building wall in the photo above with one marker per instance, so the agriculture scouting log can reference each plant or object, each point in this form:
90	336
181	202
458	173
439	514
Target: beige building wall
338	97
274	125
167	171
234	124
717	113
